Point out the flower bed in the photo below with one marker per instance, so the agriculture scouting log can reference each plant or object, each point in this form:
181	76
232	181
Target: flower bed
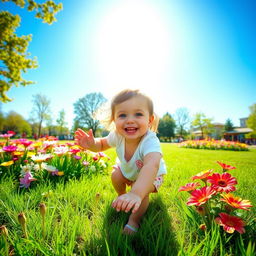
214	144
32	162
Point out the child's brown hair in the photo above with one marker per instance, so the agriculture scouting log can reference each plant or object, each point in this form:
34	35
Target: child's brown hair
128	94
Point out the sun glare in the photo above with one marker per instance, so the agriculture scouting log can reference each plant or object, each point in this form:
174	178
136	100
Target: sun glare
132	47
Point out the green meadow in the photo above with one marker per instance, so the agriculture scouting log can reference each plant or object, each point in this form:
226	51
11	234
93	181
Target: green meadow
80	221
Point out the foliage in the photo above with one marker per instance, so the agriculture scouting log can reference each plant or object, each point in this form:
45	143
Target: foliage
61	121
182	119
86	108
13	49
41	110
214	202
166	127
42	160
251	122
214	144
229	125
14	121
203	123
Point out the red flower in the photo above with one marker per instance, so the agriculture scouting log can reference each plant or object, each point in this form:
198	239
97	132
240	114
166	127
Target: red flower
202	175
222	182
226	167
230	223
200	196
236	202
189	186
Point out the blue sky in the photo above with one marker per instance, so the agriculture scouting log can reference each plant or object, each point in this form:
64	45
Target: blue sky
189	53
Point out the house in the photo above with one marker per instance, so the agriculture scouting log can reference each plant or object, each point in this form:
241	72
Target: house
238	133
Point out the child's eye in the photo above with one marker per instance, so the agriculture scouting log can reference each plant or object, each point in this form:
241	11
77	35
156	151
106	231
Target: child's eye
138	114
122	116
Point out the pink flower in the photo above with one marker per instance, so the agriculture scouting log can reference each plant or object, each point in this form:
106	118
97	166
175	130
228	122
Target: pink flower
200	196
24	142
9	149
101	154
26	180
85	163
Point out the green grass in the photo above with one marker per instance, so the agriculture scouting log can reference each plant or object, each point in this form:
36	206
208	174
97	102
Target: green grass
80	221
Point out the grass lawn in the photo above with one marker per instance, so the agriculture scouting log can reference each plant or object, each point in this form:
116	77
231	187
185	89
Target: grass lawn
80	221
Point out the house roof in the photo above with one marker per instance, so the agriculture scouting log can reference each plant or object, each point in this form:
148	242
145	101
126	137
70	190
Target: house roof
239	130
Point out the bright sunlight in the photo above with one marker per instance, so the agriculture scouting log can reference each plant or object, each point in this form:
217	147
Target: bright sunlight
132	47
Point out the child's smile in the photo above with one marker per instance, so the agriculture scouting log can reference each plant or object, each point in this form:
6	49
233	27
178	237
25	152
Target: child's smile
132	118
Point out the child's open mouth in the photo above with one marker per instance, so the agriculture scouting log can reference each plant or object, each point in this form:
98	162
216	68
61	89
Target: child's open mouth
131	130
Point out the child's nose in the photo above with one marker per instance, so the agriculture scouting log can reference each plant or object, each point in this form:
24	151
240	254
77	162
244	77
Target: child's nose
130	119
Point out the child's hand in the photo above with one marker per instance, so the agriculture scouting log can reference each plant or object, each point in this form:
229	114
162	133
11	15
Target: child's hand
85	140
126	202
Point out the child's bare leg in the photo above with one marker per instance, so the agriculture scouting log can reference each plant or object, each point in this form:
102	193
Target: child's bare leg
119	182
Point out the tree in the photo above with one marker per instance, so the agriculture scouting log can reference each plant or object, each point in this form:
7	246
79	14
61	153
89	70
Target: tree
251	121
166	127
2	119
203	123
85	109
181	119
228	125
61	127
15	122
41	110
14	57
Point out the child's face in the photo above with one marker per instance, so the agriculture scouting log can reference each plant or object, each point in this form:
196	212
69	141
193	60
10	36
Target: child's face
132	118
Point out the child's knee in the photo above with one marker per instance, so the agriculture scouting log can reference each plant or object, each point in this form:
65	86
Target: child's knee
115	175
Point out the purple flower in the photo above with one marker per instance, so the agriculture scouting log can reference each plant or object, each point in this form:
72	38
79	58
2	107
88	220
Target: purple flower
77	157
26	180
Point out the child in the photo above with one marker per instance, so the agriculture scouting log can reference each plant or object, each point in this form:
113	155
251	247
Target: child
140	164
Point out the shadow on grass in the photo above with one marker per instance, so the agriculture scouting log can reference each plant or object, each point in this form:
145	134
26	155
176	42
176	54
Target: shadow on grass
155	236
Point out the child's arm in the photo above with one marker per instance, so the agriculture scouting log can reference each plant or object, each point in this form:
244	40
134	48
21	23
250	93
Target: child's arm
142	186
87	141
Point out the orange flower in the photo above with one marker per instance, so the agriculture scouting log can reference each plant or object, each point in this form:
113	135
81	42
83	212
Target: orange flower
230	223
222	182
202	175
189	186
236	202
200	196
226	167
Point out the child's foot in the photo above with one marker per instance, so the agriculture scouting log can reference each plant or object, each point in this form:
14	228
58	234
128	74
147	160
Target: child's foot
130	228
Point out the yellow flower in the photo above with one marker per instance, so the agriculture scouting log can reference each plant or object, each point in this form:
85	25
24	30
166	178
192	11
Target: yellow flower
60	173
30	154
7	163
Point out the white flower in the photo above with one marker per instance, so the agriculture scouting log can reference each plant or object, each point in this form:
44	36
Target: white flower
25	168
61	150
50	168
41	157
